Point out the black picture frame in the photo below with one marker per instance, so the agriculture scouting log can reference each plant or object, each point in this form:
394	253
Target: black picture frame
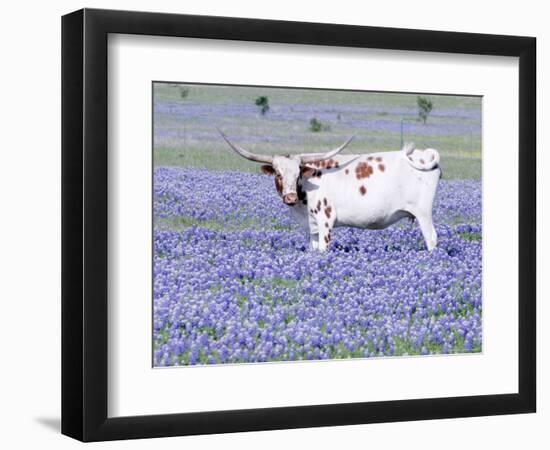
84	224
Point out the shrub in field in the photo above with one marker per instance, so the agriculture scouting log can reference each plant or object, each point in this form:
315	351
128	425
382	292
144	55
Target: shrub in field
184	92
425	106
316	125
263	103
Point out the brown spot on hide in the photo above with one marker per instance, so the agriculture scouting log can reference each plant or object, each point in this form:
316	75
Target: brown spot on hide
363	170
326	239
325	201
370	158
337	164
347	171
378	159
268	170
306	171
328	210
279	184
421	161
381	167
363	190
326	164
432	158
319	205
326	224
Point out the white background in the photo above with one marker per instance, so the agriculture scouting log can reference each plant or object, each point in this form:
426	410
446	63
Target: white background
136	389
30	187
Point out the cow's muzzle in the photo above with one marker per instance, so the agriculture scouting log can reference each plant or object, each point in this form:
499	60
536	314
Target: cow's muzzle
290	199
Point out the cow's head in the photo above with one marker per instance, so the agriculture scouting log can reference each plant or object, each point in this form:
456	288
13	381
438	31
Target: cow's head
286	169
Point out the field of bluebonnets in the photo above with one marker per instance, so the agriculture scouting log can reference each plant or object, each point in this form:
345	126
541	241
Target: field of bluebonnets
234	280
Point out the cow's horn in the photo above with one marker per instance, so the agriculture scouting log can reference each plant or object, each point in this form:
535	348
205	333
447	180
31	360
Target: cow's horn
245	153
309	158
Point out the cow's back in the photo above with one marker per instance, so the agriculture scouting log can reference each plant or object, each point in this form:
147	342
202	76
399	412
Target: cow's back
373	190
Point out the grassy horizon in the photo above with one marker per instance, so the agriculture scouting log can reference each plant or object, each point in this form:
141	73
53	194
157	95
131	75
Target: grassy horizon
186	117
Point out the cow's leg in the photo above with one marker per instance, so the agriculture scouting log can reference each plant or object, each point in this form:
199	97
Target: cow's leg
313	229
314	241
427	228
325	223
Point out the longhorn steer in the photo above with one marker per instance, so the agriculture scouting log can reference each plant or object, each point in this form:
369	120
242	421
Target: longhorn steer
371	191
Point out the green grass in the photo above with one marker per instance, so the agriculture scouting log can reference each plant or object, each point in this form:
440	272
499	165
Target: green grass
216	159
182	222
191	139
471	236
213	93
461	168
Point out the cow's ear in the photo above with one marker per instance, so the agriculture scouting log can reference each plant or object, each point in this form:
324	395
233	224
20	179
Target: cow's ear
307	171
268	170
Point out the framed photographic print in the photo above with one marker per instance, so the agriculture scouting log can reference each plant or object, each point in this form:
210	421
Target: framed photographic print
274	224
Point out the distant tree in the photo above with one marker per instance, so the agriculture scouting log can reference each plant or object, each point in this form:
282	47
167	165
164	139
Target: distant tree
263	103
184	92
316	125
425	106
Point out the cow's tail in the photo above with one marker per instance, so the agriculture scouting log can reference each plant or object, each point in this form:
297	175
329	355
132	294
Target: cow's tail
427	159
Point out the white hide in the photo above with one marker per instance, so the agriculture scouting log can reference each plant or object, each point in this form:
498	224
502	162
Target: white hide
403	184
